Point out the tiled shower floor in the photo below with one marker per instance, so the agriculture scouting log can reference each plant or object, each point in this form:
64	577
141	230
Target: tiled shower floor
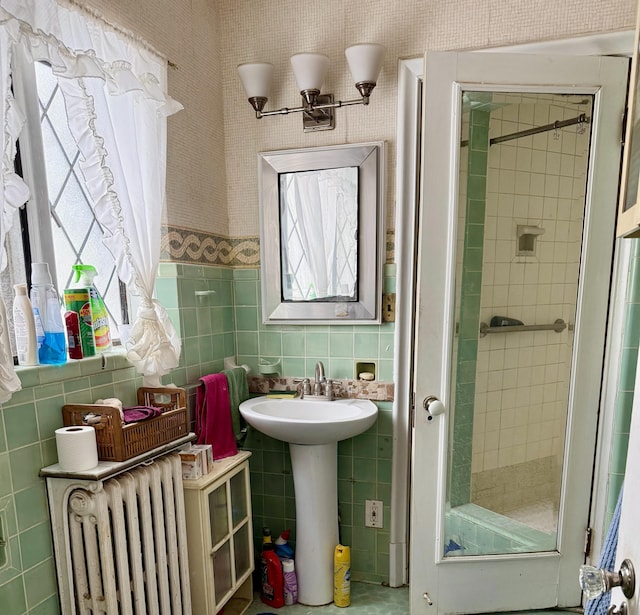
542	515
366	599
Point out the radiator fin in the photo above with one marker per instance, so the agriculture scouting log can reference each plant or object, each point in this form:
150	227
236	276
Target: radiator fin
128	543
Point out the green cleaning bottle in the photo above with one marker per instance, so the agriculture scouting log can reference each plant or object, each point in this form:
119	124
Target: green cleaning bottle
84	278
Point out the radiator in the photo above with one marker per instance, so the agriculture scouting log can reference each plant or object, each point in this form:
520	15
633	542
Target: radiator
128	546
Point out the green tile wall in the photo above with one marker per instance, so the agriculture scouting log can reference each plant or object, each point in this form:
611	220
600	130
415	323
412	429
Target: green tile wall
364	473
299	347
215	311
469	317
27	443
364	462
626	383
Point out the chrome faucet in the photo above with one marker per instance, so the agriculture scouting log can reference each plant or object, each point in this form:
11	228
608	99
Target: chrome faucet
322	387
320	379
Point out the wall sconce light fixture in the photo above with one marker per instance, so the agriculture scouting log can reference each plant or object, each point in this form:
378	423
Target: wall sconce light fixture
310	69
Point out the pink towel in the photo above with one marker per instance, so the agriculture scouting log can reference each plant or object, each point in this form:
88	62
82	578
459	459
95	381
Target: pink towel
213	416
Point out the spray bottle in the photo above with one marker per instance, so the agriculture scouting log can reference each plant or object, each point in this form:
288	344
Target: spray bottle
84	275
272	586
342	576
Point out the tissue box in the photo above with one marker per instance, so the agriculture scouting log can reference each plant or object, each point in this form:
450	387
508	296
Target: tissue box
192	463
207	456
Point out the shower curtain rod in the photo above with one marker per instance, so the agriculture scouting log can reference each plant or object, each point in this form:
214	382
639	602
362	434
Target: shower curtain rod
580	119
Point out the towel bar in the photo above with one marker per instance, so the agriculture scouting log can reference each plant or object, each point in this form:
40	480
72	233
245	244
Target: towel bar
558	326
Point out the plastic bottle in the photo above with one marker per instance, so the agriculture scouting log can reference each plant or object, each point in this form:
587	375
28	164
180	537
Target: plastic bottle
342	576
52	349
74	340
84	278
282	547
78	300
272	580
25	327
290	582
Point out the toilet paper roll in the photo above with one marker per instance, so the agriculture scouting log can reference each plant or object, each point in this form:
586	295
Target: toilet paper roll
77	449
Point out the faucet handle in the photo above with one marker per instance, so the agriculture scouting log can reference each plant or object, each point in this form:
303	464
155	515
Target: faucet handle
306	385
329	389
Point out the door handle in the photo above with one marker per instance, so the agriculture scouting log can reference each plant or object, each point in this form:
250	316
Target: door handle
596	581
617	610
432	406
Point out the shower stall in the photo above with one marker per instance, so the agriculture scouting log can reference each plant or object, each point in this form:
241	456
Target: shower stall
523	179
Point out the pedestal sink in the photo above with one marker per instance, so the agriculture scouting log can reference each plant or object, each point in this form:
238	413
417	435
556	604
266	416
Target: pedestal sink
313	428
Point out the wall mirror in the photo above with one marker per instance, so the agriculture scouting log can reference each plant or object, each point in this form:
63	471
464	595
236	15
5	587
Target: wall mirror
322	234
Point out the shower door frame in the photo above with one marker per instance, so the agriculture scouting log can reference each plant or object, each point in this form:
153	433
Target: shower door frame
544	570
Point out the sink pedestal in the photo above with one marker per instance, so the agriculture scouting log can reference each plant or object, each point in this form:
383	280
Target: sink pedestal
315	477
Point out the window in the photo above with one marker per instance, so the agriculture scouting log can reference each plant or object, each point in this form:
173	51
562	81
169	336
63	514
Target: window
58	225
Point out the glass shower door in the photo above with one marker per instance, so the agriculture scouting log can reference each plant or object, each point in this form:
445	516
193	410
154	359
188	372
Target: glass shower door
523	179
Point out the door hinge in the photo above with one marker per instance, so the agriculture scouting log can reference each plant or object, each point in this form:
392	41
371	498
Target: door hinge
588	535
623	133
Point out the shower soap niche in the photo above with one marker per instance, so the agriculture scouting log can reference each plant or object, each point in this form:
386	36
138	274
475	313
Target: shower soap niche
527	239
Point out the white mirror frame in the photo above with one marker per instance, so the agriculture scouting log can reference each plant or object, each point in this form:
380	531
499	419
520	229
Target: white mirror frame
369	158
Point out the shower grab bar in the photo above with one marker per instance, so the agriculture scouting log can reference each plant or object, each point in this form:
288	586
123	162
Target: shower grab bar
558	326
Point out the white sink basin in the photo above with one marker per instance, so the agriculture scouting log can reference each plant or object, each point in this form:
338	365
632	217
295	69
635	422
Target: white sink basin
303	421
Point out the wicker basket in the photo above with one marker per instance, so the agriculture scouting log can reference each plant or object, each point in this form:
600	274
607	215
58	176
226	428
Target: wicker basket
119	442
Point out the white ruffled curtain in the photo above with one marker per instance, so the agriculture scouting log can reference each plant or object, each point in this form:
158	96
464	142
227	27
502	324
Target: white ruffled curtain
117	107
14	194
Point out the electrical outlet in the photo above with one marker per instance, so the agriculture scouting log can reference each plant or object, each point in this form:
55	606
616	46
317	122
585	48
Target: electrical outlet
373	513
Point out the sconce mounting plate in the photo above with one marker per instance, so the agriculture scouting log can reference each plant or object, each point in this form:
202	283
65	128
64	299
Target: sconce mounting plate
319	119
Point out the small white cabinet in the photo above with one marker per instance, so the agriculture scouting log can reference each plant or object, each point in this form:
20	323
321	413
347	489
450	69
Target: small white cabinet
220	537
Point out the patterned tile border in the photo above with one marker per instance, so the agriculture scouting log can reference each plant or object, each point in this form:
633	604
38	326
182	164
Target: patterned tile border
191	247
198	248
352	389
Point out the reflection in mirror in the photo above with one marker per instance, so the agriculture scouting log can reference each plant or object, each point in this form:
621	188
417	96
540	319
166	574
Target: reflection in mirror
319	234
322	234
511	386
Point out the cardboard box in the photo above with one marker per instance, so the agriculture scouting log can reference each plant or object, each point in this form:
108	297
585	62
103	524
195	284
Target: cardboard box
192	462
207	456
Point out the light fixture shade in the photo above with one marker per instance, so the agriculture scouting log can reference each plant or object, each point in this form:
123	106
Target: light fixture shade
365	61
309	70
256	78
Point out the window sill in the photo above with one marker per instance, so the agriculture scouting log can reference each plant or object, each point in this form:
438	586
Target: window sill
33	375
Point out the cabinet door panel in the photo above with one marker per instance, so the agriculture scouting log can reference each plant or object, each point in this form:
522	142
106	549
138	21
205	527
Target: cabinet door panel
238	498
242	550
218	516
222	572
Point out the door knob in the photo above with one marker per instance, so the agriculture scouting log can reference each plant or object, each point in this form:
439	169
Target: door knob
596	581
432	406
617	610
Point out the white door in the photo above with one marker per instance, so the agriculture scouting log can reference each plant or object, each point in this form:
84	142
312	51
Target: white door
468	556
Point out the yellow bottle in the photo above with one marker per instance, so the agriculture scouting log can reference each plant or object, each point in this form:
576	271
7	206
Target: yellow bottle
342	576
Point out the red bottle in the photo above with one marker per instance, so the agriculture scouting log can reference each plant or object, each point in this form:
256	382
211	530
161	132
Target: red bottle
272	578
74	343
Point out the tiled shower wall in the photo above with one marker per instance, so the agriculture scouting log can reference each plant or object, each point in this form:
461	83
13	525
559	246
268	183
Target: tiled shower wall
471	217
522	378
